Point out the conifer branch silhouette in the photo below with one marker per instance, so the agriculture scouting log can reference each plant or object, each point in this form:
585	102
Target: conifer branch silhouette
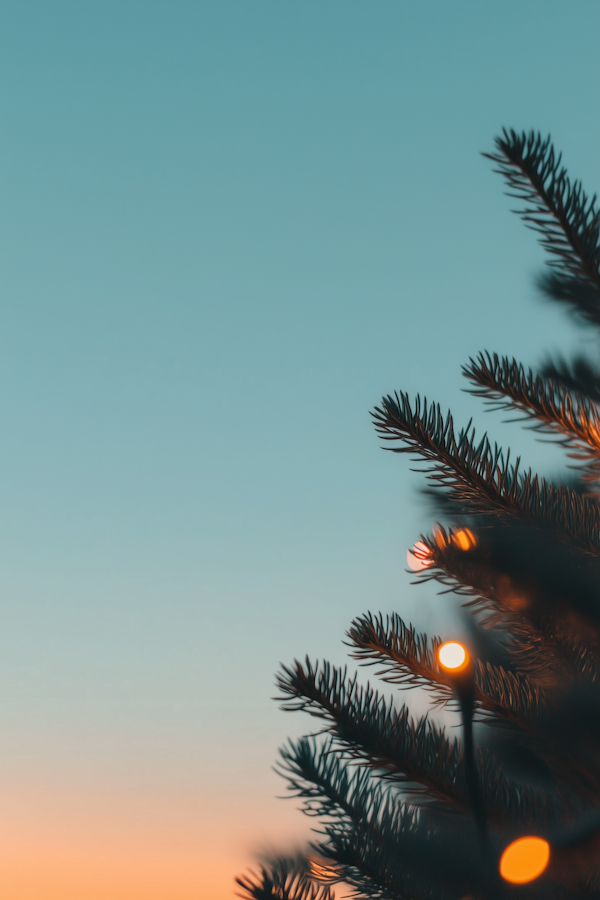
479	476
566	220
286	879
406	659
415	754
504	384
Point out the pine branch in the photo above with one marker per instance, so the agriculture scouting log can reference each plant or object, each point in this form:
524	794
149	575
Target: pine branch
373	732
501	697
407	660
378	871
329	789
348	799
432	865
284	879
341	794
566	220
545	659
505	385
378	844
418	756
407	657
479	477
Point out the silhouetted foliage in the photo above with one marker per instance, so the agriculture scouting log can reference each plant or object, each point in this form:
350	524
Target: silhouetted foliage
404	811
286	879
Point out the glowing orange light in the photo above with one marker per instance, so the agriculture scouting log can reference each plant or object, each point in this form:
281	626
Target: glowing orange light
465	539
452	656
419	557
524	859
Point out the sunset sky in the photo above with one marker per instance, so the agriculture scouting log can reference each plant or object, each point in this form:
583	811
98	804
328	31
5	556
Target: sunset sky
227	228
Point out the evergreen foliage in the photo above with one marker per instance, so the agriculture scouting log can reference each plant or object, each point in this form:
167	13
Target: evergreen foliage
406	812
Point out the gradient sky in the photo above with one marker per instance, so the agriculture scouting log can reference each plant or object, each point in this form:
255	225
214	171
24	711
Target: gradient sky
226	229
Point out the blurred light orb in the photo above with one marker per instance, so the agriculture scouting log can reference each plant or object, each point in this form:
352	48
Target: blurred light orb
419	557
452	655
465	539
524	860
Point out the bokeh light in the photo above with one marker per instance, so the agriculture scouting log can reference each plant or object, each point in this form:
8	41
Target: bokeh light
419	557
524	859
465	539
452	656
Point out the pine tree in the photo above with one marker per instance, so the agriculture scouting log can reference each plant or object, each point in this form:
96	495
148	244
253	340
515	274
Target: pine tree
405	810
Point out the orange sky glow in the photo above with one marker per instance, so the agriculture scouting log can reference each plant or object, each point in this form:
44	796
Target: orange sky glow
102	842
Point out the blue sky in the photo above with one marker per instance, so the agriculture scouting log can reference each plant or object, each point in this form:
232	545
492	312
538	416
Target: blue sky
226	229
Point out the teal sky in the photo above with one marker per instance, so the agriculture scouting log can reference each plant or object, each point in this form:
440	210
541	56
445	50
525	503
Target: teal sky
226	229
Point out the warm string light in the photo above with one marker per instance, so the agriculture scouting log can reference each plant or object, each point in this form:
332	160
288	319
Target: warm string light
524	860
454	659
452	656
465	539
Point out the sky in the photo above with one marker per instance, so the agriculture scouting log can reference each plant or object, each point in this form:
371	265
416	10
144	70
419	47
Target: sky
226	229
